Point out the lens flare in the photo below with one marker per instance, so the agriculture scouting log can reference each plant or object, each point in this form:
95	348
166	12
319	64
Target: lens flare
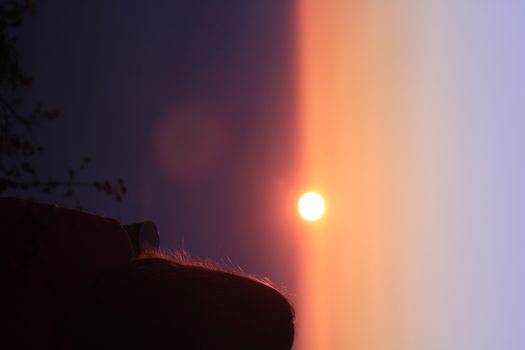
311	206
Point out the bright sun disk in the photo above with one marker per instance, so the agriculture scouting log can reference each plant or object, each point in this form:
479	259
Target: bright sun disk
311	206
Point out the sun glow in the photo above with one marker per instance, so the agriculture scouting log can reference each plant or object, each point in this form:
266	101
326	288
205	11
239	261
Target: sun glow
355	137
311	206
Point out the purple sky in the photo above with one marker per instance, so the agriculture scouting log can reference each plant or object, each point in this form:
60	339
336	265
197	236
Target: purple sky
124	72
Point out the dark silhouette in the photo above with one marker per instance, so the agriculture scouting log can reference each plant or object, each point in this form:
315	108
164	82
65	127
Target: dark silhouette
20	119
71	282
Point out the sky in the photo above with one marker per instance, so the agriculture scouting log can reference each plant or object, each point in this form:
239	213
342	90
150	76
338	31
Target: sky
411	122
406	115
190	102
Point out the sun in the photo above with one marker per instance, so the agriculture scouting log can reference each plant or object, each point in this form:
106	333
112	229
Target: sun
311	206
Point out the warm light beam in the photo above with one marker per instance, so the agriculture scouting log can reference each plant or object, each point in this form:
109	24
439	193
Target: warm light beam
355	145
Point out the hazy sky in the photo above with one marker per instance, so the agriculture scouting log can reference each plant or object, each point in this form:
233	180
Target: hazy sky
406	115
192	102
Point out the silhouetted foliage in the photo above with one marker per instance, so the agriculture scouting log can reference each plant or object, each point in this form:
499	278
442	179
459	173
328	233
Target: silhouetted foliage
18	149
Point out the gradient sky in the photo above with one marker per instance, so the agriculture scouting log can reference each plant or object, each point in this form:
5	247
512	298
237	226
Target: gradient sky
407	115
219	73
412	124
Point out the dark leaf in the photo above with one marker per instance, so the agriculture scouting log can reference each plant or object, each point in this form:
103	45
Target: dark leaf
51	114
28	168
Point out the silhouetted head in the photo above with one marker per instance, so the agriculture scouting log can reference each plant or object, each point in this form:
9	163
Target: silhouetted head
159	303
